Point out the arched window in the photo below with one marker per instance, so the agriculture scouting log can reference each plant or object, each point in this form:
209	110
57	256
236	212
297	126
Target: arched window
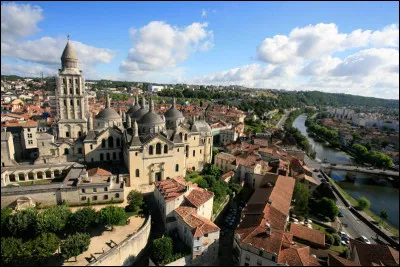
12	178
118	142
71	91
151	150
177	167
165	149
77	91
181	136
72	102
101	157
187	151
65	91
194	153
66	151
110	141
114	155
137	173
108	156
103	143
158	148
185	137
116	195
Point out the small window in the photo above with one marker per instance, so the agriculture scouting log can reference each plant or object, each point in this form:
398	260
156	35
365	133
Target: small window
83	190
91	146
29	135
103	143
200	151
42	143
105	197
101	157
94	190
65	102
77	91
116	195
151	150
30	142
63	80
165	149
79	150
185	137
83	198
29	129
94	198
114	155
77	102
194	153
105	189
71	102
71	91
177	167
137	172
66	151
65	91
69	81
76	81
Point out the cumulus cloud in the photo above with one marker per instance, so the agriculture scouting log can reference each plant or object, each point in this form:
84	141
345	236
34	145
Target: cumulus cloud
19	20
203	13
315	41
24	70
159	46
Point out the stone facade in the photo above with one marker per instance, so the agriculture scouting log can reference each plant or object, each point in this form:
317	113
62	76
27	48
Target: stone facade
7	149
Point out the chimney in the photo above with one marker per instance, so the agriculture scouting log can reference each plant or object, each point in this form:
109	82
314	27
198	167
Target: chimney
128	121
268	232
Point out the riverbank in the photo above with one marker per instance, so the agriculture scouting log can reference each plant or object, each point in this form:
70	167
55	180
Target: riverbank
341	158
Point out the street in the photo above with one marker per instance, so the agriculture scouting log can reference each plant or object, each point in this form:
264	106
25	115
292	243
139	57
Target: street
351	224
283	119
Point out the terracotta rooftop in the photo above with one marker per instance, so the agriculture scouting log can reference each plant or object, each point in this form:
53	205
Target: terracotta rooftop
308	178
199	196
226	175
171	188
98	171
307	234
370	254
297	256
339	261
198	224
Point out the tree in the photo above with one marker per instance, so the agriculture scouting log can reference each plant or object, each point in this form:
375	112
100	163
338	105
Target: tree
111	215
135	200
301	194
44	246
161	249
53	219
363	203
323	190
13	251
75	245
82	219
5	214
22	224
336	239
329	239
384	215
235	187
327	207
212	170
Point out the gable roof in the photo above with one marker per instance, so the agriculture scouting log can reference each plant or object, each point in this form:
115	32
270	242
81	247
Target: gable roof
199	196
369	254
339	261
307	234
98	171
297	256
171	188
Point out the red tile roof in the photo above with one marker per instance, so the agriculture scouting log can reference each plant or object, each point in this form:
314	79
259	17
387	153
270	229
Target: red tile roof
199	196
307	234
369	254
308	178
98	171
171	188
199	225
339	261
297	256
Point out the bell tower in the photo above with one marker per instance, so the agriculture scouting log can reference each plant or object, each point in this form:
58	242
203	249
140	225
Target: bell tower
71	97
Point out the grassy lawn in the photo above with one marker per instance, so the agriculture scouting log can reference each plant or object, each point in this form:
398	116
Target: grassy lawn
354	203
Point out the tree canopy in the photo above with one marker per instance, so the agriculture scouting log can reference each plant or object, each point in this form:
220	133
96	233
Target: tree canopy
363	203
135	200
82	219
301	194
53	219
75	245
111	215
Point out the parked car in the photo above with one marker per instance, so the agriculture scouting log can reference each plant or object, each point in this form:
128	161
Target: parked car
365	240
316	170
340	214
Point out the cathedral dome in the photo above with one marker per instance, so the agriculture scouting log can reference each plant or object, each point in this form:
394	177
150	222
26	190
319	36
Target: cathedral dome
108	114
173	114
69	53
138	114
151	118
201	126
133	108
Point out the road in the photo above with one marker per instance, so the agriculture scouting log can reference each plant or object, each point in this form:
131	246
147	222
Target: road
283	119
360	169
351	224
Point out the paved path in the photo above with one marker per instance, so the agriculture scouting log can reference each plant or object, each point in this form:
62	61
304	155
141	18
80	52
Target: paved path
361	169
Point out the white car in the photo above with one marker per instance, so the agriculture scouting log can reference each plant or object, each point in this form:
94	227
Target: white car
365	240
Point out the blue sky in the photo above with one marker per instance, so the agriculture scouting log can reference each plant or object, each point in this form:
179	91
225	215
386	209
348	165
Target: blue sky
212	42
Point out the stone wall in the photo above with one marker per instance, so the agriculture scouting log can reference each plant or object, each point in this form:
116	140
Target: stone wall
46	195
184	261
126	252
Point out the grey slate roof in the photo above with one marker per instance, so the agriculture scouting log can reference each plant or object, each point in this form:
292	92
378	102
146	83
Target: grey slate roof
109	114
151	118
69	52
138	114
173	114
201	126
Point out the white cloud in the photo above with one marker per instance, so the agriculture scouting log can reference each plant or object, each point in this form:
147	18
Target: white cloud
24	70
19	20
203	13
159	46
315	41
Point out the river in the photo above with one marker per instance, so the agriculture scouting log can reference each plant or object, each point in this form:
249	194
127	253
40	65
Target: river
381	194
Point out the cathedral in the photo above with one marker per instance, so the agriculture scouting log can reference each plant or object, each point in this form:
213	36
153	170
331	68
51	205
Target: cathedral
152	147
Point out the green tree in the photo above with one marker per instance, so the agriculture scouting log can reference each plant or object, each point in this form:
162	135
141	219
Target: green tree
22	224
111	215
82	219
161	249
53	219
75	245
329	239
384	215
235	187
5	214
212	170
301	194
336	239
363	203
327	207
44	246
135	200
13	251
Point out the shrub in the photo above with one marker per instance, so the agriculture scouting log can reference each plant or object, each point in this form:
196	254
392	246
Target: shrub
329	239
161	249
363	203
337	239
135	200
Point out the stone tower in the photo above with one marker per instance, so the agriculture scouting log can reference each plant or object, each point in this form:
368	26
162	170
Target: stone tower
71	99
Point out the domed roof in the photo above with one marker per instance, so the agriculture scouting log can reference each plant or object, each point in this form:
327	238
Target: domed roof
69	52
151	118
108	114
201	126
138	114
173	114
134	108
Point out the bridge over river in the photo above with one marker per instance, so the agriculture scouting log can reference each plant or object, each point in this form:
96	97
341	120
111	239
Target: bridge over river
361	169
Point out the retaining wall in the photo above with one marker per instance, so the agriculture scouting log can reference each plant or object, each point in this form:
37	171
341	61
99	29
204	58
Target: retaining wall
126	252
